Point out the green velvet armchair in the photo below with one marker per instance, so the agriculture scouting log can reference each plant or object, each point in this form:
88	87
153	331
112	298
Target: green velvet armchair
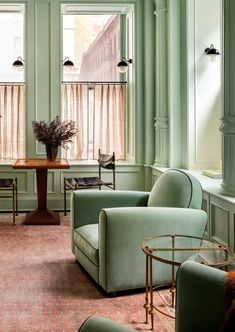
200	305
200	302
97	323
108	227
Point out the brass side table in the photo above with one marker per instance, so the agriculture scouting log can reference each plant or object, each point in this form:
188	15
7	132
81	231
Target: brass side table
174	249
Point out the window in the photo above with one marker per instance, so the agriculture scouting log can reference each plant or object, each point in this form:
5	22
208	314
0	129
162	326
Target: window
92	93
12	109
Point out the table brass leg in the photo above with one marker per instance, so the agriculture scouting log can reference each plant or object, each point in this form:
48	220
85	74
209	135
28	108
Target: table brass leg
146	305
172	286
151	294
173	274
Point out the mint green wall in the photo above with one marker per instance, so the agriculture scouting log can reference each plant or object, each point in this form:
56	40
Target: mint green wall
43	76
203	88
163	91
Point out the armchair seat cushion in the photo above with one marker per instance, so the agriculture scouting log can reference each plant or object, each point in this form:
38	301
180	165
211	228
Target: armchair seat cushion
86	239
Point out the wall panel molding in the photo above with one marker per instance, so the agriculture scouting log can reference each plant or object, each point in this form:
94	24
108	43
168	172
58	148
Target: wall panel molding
161	6
220	223
203	110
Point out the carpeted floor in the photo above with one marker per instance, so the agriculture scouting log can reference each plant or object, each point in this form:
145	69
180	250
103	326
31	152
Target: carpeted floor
43	289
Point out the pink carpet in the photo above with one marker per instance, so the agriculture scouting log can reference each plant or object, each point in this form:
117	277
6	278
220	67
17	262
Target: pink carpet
43	289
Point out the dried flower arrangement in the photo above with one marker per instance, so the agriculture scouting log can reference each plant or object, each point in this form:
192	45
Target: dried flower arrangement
54	134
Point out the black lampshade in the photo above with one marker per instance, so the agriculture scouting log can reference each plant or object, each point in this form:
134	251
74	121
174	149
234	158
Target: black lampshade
123	65
18	63
67	62
212	51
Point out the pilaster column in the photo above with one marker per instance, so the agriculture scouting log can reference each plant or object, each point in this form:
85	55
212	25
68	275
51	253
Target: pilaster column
149	79
161	113
227	127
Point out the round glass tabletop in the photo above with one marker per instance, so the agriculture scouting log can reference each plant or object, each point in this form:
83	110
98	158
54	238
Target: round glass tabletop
174	249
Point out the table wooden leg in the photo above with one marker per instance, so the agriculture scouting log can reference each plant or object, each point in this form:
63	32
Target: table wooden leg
42	215
41	175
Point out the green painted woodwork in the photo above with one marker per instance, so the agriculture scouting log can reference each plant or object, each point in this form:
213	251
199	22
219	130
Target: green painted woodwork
228	120
183	74
43	49
149	78
161	96
174	78
161	113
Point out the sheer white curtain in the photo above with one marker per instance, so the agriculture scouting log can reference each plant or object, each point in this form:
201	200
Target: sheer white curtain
12	121
99	111
74	107
109	119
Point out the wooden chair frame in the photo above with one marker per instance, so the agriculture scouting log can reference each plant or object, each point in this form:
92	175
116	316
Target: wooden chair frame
10	185
104	162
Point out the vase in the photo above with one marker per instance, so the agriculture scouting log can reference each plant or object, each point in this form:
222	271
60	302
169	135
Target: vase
51	152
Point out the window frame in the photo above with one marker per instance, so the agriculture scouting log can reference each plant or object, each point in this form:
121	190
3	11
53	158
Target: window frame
124	9
18	8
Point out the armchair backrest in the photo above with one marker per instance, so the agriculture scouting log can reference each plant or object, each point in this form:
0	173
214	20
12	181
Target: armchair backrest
176	188
98	323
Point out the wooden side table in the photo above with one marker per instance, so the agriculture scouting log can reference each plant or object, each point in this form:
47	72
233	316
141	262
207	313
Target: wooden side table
42	215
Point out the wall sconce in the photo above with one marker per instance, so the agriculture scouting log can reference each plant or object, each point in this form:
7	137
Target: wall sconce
67	63
18	63
212	52
123	65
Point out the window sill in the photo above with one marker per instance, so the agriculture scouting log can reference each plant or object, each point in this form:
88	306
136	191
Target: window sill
6	162
10	162
95	163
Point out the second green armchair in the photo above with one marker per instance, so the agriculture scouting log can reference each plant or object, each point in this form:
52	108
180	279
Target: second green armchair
108	227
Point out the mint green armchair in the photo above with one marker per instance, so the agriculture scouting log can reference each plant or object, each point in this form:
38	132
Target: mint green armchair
200	305
97	323
108	227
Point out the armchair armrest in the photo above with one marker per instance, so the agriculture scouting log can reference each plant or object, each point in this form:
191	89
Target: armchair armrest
199	298
86	204
121	232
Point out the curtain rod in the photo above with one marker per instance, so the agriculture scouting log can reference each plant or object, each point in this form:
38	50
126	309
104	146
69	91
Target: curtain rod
71	82
93	82
12	83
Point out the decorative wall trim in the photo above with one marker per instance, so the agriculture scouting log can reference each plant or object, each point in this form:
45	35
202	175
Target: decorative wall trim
228	187
161	112
228	120
161	6
228	125
42	77
161	122
219	223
